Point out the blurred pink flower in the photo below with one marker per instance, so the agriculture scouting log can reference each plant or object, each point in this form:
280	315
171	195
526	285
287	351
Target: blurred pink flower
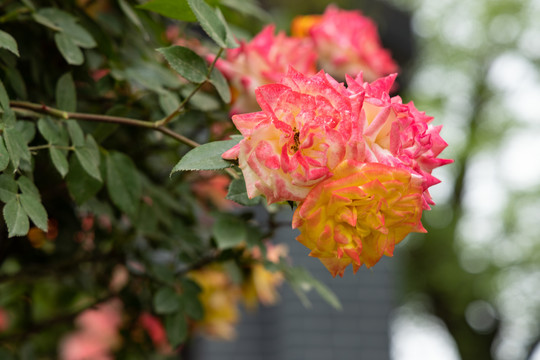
211	188
156	331
97	334
261	61
103	322
4	320
347	42
119	278
83	346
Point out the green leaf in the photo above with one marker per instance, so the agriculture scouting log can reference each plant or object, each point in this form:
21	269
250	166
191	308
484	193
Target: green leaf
206	157
89	161
193	306
40	19
169	102
29	4
8	188
190	287
4	98
230	40
145	78
8	42
327	294
59	20
79	35
66	94
177	328
59	160
4	155
147	218
163	273
27	186
167	301
76	133
238	193
228	231
17	82
221	84
186	62
131	15
248	7
27	129
69	50
123	182
81	186
16	218
51	131
8	118
16	146
56	16
302	281
233	270
35	210
210	22
201	100
174	9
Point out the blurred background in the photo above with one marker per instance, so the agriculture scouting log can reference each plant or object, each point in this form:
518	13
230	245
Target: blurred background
470	287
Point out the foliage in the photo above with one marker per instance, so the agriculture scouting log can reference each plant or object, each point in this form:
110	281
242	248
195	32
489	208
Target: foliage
97	105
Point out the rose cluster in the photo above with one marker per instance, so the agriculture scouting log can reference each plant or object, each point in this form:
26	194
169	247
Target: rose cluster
356	160
339	41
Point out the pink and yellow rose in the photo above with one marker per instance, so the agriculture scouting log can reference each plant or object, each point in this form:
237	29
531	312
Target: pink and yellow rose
261	61
307	126
359	214
357	160
310	124
397	134
346	42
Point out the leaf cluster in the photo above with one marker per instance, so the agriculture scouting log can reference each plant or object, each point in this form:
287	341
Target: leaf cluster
92	120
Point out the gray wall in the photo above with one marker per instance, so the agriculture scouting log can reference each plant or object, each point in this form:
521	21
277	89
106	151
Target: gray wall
288	331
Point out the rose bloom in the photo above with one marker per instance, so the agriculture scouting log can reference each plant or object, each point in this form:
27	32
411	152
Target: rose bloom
219	298
359	214
346	42
261	61
305	129
310	124
397	134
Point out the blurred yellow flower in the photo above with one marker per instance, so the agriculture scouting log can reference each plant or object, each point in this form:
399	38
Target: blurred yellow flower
261	284
219	298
